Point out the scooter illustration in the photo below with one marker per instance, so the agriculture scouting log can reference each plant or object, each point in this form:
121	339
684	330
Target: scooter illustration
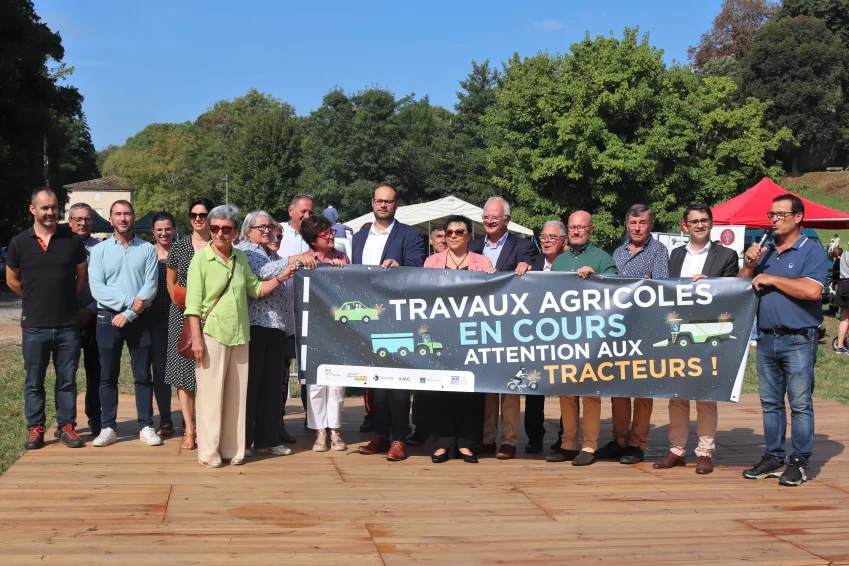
522	379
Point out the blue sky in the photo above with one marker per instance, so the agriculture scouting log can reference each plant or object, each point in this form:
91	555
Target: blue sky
165	61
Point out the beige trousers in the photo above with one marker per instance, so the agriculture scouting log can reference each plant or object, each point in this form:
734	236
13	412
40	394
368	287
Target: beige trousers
626	432
591	423
220	397
510	413
679	426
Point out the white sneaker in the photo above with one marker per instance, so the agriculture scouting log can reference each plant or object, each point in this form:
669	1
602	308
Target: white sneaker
276	450
106	437
149	437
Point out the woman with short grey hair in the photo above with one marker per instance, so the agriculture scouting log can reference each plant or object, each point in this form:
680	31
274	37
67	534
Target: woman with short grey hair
220	280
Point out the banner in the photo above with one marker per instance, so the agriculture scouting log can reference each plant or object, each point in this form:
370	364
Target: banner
542	333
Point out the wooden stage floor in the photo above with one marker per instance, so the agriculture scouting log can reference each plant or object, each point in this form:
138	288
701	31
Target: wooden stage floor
135	504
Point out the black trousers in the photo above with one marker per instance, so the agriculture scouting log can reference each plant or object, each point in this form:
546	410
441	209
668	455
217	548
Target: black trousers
91	362
265	387
392	414
535	418
422	408
455	420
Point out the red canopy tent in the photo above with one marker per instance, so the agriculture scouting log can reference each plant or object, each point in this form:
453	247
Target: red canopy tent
750	209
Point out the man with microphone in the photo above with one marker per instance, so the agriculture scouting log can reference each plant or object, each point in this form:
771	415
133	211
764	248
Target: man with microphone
789	273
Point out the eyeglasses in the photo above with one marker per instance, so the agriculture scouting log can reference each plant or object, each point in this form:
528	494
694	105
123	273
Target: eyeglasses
547	238
383	200
699	221
449	233
226	230
779	215
579	228
328	235
198	215
494	218
81	220
262	227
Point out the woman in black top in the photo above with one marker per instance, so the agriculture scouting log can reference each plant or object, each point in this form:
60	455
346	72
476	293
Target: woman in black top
163	234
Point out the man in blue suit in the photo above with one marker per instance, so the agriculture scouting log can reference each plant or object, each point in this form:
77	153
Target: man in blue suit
507	253
388	243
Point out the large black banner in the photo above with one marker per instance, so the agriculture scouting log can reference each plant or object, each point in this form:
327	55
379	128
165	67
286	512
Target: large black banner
543	333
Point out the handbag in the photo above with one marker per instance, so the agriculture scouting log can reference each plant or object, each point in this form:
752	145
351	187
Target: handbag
180	297
184	344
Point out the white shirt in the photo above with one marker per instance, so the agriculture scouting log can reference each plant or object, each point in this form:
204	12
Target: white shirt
291	244
694	262
547	266
375	244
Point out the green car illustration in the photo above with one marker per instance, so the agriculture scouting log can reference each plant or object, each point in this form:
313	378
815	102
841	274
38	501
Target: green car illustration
355	310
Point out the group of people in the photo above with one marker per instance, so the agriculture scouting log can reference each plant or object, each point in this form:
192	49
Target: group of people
213	315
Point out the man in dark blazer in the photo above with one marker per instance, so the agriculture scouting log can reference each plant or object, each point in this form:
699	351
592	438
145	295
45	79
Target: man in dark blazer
507	253
699	259
388	243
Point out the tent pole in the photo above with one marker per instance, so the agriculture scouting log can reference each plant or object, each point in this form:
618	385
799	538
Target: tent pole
429	247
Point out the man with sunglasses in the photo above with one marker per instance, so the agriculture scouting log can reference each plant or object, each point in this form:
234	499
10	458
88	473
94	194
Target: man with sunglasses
789	273
699	259
389	243
506	252
123	278
80	219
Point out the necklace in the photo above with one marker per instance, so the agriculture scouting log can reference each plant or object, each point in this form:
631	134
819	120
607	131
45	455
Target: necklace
454	261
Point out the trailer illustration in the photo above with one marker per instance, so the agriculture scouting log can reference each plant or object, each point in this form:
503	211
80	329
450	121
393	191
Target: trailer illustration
403	343
355	310
712	332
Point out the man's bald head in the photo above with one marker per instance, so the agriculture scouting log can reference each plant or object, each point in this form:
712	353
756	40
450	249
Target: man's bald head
580	229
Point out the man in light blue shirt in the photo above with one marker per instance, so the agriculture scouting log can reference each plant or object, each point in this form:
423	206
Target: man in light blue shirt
122	275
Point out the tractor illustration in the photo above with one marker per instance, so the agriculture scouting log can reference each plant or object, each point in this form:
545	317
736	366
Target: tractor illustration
713	332
522	380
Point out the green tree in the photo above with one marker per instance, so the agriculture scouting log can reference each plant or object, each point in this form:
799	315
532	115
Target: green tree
266	160
802	67
835	14
34	107
608	126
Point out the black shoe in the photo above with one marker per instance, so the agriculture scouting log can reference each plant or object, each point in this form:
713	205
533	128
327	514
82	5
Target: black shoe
562	456
585	458
58	432
555	446
442	458
533	447
35	440
285	437
610	451
70	437
417	438
768	467
795	473
469	458
632	455
368	424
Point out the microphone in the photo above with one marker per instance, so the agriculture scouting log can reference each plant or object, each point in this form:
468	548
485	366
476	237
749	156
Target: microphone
765	237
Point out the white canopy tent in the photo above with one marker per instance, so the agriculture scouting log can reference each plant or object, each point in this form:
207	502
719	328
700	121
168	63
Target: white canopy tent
424	215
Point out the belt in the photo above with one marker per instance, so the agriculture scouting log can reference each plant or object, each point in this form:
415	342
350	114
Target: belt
785	331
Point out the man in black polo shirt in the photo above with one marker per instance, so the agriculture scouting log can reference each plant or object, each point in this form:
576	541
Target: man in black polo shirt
788	273
47	267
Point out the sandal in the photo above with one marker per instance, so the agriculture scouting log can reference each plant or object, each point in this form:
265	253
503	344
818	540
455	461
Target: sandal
189	441
320	444
336	442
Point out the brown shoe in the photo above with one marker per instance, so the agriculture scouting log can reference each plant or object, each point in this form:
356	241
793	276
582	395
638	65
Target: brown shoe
705	465
487	448
377	445
506	452
669	461
397	452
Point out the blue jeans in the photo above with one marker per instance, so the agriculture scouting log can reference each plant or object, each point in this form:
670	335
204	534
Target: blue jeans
37	345
786	366
110	343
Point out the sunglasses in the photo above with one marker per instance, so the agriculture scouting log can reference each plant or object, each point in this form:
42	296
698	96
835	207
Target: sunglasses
327	235
450	233
198	215
226	230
